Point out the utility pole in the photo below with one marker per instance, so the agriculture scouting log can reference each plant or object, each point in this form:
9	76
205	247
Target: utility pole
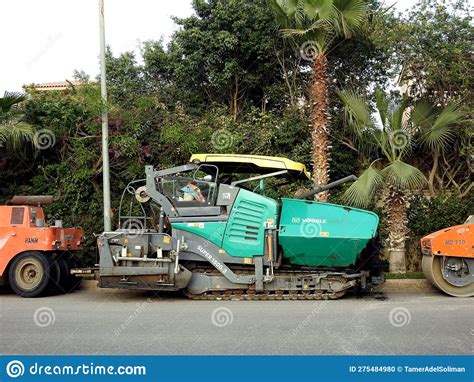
105	123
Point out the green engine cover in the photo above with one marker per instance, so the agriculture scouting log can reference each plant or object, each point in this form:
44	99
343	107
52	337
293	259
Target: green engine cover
322	234
212	231
245	232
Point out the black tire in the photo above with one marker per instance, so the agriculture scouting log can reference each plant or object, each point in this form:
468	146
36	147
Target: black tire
64	279
29	274
54	284
72	282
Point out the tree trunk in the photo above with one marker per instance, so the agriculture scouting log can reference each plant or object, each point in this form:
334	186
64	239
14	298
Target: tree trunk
320	123
286	77
433	171
234	99
396	213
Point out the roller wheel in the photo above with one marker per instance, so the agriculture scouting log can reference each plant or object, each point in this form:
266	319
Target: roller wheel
432	268
29	274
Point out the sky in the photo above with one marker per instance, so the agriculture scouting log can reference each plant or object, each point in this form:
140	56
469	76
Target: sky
45	41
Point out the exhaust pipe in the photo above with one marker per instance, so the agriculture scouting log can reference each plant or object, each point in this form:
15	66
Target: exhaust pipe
317	190
31	200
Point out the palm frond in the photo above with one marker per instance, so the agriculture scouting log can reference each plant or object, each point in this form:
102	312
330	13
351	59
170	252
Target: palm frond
397	115
351	14
284	11
317	9
317	27
443	130
438	131
10	99
361	192
292	32
382	104
280	15
438	139
450	115
14	135
423	114
402	175
356	110
288	7
322	36
300	16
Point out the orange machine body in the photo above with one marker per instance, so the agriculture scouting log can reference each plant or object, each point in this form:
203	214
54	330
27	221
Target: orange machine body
22	228
456	241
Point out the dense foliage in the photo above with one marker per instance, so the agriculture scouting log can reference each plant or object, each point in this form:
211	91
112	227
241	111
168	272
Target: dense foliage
229	82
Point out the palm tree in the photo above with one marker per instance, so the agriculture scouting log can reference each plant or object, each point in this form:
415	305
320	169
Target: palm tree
320	23
13	131
388	136
438	129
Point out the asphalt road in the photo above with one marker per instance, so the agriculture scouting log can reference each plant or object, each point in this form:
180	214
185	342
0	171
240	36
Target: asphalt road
119	322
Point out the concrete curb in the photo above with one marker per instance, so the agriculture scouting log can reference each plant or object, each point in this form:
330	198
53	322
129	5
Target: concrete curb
403	285
88	284
391	285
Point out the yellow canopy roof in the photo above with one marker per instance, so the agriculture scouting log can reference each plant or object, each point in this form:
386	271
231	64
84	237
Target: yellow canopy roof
251	163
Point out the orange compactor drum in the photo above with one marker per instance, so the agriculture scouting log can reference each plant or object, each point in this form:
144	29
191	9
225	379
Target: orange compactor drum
448	259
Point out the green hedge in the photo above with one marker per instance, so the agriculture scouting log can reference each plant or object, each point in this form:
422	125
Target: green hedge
427	215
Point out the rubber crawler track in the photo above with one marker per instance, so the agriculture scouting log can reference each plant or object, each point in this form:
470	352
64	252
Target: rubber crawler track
251	295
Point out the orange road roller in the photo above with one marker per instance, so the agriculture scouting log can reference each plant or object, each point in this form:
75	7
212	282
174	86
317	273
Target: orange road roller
448	259
36	259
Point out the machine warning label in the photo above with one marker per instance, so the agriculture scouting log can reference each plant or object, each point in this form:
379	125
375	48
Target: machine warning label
197	225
